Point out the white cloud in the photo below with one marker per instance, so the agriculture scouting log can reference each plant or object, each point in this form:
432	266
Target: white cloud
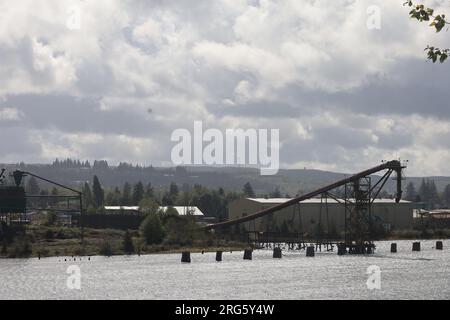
10	114
343	96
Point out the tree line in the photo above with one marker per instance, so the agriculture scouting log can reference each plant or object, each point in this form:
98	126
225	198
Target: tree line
212	202
428	194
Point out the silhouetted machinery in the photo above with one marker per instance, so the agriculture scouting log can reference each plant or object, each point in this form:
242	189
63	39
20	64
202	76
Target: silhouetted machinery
359	195
12	199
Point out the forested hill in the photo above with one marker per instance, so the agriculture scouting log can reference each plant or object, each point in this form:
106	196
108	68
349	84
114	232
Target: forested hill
288	182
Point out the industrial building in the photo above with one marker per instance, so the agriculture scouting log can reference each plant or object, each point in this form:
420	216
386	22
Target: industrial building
328	214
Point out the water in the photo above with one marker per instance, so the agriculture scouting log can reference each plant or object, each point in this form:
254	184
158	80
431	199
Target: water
404	275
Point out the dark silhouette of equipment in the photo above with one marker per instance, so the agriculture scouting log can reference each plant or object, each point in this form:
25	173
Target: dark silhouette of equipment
13	199
359	195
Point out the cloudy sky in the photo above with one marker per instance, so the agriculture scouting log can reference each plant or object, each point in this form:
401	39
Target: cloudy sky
344	96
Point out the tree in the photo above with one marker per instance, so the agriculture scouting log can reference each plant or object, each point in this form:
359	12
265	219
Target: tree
428	193
98	194
138	193
423	191
126	195
420	13
148	206
113	197
411	192
276	193
446	196
54	192
87	195
248	190
152	229
433	194
51	218
33	186
128	246
149	193
173	190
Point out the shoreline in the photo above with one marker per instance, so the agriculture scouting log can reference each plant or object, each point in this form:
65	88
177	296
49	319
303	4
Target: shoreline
157	250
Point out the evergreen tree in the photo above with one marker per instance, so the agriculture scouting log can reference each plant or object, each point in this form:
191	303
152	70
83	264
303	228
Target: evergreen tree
248	190
128	246
87	195
98	194
428	193
167	200
54	192
33	186
138	193
126	195
411	192
276	193
446	197
434	196
423	191
173	190
152	229
149	193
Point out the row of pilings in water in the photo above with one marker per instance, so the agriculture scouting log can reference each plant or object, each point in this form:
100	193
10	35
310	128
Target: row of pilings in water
310	252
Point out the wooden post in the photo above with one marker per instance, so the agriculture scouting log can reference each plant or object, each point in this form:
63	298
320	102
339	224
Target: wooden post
310	251
248	254
393	247
439	245
219	256
186	257
416	246
277	253
341	249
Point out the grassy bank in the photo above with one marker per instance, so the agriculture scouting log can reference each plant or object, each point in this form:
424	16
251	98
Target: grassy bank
47	241
40	241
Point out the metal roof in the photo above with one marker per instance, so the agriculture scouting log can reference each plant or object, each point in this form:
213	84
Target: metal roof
185	210
182	210
314	200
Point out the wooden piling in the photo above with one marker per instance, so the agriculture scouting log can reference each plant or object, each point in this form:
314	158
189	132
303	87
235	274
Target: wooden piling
219	256
310	251
416	246
277	253
341	249
248	254
186	257
393	247
439	245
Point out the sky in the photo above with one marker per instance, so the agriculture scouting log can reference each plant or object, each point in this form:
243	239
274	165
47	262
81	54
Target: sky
113	79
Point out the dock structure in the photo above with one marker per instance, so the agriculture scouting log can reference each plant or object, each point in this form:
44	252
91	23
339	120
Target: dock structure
359	194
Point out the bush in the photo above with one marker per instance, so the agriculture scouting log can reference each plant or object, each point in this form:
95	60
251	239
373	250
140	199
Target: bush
152	229
43	252
106	248
60	234
128	246
48	234
51	218
4	249
181	230
21	248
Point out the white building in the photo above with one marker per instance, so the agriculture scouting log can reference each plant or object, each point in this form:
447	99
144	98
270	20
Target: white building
182	210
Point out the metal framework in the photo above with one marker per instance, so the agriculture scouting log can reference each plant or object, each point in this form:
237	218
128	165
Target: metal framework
359	194
18	176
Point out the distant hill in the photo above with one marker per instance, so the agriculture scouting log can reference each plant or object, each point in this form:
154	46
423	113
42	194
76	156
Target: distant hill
289	182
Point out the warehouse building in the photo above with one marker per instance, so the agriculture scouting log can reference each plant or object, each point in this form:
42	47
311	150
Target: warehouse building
329	214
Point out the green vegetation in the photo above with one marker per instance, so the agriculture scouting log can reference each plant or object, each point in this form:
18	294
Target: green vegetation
438	21
128	246
152	229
